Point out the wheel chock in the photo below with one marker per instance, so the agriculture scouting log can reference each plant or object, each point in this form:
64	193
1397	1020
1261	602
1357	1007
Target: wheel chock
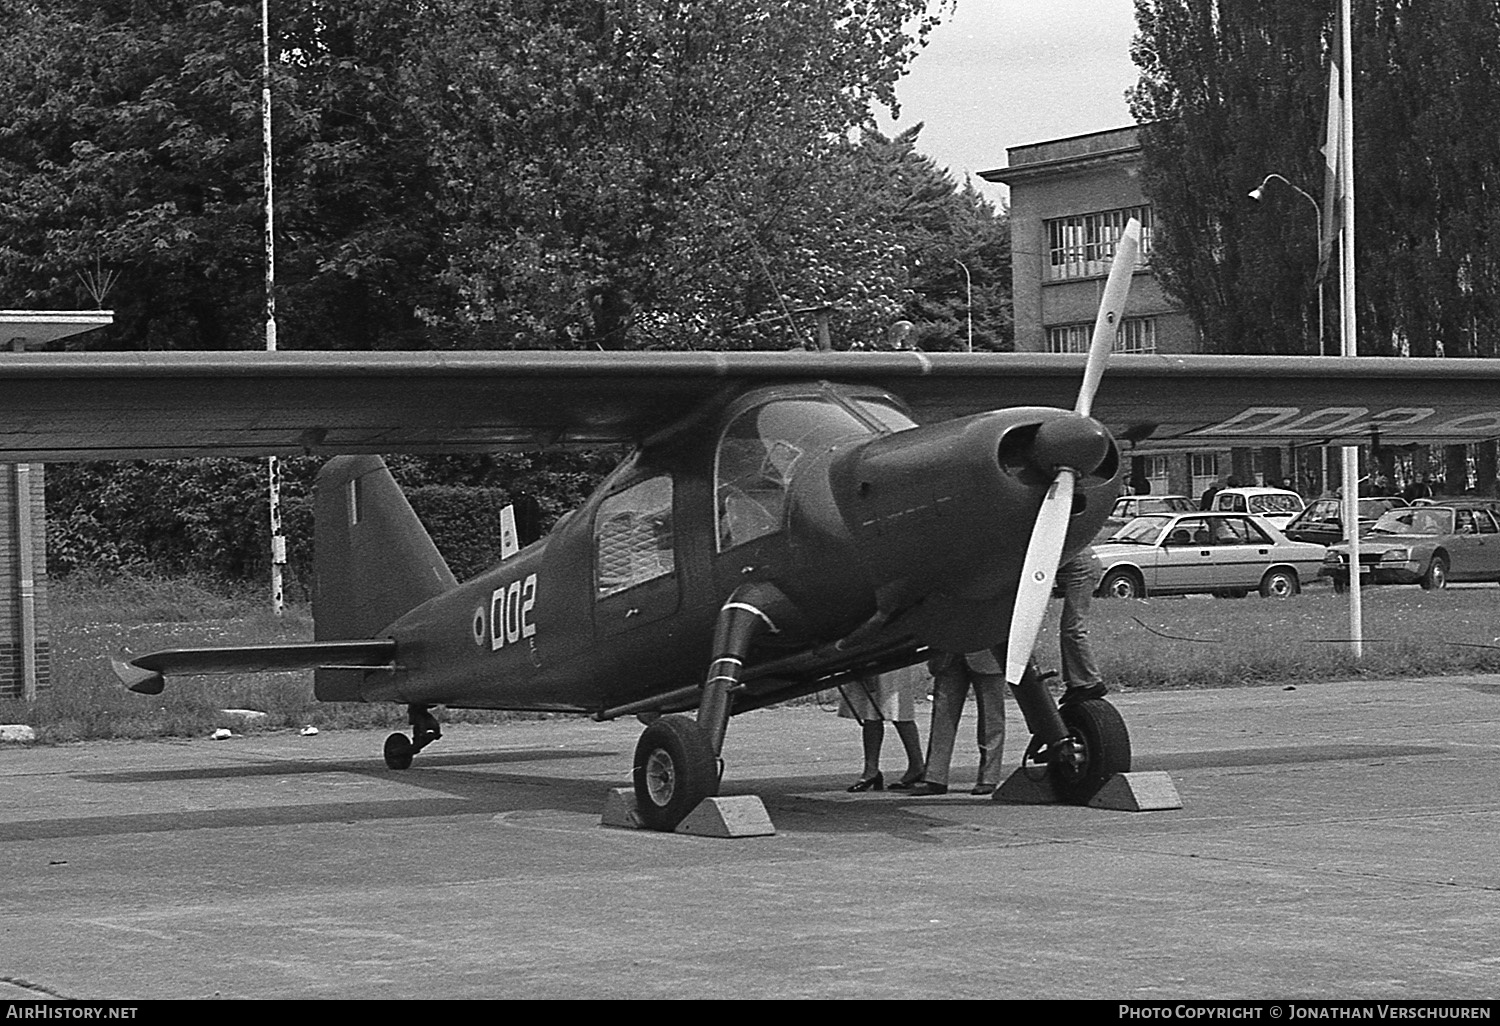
619	809
742	815
1137	792
1027	786
1123	792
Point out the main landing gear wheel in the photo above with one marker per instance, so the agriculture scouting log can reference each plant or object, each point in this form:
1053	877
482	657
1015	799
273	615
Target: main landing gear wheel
398	751
675	769
1097	747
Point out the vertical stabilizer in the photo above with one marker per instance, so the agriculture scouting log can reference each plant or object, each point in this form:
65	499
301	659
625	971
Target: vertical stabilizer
373	559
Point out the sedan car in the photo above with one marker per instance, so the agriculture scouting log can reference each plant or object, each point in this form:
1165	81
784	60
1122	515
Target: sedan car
1275	504
1323	519
1217	553
1128	507
1426	545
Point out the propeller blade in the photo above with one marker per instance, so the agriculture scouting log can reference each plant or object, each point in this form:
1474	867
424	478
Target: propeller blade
1044	550
1111	309
1043	553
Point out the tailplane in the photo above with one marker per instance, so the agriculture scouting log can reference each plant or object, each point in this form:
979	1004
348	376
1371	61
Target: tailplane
373	558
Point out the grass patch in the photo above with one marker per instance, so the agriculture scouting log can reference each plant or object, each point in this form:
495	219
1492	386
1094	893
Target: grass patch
1202	642
1159	643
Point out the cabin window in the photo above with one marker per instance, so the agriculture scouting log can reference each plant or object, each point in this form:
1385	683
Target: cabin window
884	414
633	536
759	455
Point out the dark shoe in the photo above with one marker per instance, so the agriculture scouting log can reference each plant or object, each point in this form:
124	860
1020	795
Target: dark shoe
906	783
1083	693
875	783
983	789
925	787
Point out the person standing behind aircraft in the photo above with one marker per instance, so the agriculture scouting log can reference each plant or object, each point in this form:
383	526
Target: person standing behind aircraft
1078	578
952	676
873	700
1207	499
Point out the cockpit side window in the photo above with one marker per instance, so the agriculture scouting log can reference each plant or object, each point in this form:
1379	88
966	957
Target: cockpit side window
633	539
760	454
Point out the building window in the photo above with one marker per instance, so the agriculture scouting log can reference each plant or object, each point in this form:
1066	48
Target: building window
1157	474
1136	335
1082	245
1205	471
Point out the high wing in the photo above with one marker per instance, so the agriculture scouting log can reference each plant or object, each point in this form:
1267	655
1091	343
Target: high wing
68	406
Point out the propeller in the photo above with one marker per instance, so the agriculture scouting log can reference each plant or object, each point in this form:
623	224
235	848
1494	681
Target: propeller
1071	446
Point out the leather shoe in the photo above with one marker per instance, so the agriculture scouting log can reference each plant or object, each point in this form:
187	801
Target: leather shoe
906	784
1083	693
925	787
982	788
875	783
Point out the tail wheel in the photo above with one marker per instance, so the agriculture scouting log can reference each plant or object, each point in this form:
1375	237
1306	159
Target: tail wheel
1280	582
1098	747
398	751
1436	577
675	769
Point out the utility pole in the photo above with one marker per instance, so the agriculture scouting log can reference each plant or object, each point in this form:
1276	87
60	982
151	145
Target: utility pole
273	465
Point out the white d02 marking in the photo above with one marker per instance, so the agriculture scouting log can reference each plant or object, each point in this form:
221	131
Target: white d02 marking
510	612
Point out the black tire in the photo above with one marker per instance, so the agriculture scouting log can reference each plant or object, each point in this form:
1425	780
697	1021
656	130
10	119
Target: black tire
1436	577
398	751
1098	747
1280	582
1124	584
675	769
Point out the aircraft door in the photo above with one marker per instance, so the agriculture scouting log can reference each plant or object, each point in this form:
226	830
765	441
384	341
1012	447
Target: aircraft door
635	557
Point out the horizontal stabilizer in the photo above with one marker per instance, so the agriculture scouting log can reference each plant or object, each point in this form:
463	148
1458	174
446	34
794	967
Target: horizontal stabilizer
145	674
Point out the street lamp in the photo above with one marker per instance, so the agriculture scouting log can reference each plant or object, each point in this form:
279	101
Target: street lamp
969	305
1257	194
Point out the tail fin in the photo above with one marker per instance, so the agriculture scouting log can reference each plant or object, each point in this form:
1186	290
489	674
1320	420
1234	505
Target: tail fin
373	559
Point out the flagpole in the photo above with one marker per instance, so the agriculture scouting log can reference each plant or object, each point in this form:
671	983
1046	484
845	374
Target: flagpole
273	465
1349	320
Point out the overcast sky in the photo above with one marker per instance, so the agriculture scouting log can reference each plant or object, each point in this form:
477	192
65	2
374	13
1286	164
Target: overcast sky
1004	73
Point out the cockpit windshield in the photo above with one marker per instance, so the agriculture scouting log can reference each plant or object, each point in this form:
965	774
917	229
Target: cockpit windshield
759	455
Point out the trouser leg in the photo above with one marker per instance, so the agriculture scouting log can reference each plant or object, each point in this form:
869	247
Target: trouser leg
990	692
1079	667
948	690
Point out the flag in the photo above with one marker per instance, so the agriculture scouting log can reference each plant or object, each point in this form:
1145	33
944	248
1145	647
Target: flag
1332	193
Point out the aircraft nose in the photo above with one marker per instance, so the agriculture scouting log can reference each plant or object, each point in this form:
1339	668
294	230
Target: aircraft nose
1078	442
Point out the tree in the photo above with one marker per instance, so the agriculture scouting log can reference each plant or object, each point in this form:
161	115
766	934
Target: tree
953	241
650	173
1232	91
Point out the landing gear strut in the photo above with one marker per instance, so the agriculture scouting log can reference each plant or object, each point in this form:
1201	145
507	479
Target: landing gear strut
677	758
1078	746
399	748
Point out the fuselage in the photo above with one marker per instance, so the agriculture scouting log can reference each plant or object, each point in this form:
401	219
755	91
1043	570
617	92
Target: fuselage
885	536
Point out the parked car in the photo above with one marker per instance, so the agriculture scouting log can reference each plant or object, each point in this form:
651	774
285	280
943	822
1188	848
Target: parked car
1426	545
1275	504
1323	519
1128	507
1225	554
